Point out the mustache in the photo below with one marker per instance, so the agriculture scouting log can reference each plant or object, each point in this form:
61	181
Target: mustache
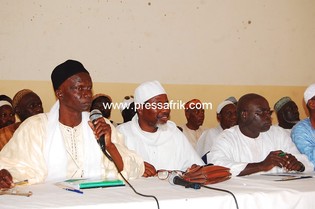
163	115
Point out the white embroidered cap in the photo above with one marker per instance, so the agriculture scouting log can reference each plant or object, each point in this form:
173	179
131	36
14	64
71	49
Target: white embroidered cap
148	90
222	105
309	93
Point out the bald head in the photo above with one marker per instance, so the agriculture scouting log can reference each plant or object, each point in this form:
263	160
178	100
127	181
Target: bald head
253	114
246	101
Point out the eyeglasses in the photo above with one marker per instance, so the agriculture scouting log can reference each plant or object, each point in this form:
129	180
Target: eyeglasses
164	174
264	113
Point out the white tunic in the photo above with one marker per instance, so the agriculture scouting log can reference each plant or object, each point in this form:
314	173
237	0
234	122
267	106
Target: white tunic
192	135
234	150
167	148
206	140
38	152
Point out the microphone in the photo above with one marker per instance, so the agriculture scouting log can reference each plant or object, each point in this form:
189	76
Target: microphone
174	179
94	115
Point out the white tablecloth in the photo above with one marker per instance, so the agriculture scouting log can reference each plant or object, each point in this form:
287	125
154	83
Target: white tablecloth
251	193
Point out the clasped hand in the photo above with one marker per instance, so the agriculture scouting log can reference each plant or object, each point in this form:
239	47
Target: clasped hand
282	160
6	181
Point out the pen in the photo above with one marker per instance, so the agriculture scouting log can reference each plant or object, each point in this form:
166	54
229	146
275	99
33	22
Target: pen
21	182
281	154
73	190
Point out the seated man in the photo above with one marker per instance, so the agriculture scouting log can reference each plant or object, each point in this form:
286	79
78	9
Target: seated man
127	108
7	120
287	113
103	103
254	145
63	143
27	103
7	115
226	116
195	115
153	136
303	133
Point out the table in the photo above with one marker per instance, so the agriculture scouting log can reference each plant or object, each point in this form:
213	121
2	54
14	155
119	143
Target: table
252	192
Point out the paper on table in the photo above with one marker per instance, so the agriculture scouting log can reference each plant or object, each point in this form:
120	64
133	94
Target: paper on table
280	176
289	176
90	183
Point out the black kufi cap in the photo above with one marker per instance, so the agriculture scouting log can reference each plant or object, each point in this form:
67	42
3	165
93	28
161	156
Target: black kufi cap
65	70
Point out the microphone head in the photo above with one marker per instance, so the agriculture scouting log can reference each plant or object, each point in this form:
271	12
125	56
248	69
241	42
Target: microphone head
95	114
171	177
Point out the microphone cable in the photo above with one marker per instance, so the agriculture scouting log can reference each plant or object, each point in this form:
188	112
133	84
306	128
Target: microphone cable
135	191
223	190
95	114
138	193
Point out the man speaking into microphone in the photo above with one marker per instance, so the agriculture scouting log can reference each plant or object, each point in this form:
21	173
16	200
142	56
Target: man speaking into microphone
62	144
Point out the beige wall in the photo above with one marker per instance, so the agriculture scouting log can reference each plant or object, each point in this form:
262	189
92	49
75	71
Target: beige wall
206	49
206	93
243	42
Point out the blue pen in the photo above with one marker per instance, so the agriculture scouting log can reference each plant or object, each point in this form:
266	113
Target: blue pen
73	190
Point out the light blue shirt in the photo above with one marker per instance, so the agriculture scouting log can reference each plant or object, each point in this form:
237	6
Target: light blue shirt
303	135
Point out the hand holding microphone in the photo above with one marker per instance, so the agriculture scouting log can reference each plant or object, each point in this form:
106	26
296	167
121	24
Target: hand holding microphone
101	130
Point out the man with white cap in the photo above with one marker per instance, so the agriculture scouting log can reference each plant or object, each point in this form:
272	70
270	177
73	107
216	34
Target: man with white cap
195	115
62	144
7	120
226	116
287	113
153	136
6	111
303	133
255	145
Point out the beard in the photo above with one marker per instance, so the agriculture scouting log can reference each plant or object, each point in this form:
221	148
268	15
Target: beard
162	127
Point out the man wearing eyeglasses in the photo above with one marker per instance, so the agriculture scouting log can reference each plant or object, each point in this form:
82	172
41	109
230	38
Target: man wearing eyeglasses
254	145
303	133
153	136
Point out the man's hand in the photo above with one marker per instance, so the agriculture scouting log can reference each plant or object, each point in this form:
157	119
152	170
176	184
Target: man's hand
6	181
100	127
291	163
149	170
273	159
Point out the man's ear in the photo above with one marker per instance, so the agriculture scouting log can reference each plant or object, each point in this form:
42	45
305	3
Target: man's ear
139	111
59	94
187	114
219	117
244	115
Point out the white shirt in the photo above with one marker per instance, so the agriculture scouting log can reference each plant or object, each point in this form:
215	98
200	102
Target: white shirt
206	140
234	150
192	135
167	148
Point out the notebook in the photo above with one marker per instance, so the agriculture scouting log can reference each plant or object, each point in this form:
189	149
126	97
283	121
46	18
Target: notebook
90	183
